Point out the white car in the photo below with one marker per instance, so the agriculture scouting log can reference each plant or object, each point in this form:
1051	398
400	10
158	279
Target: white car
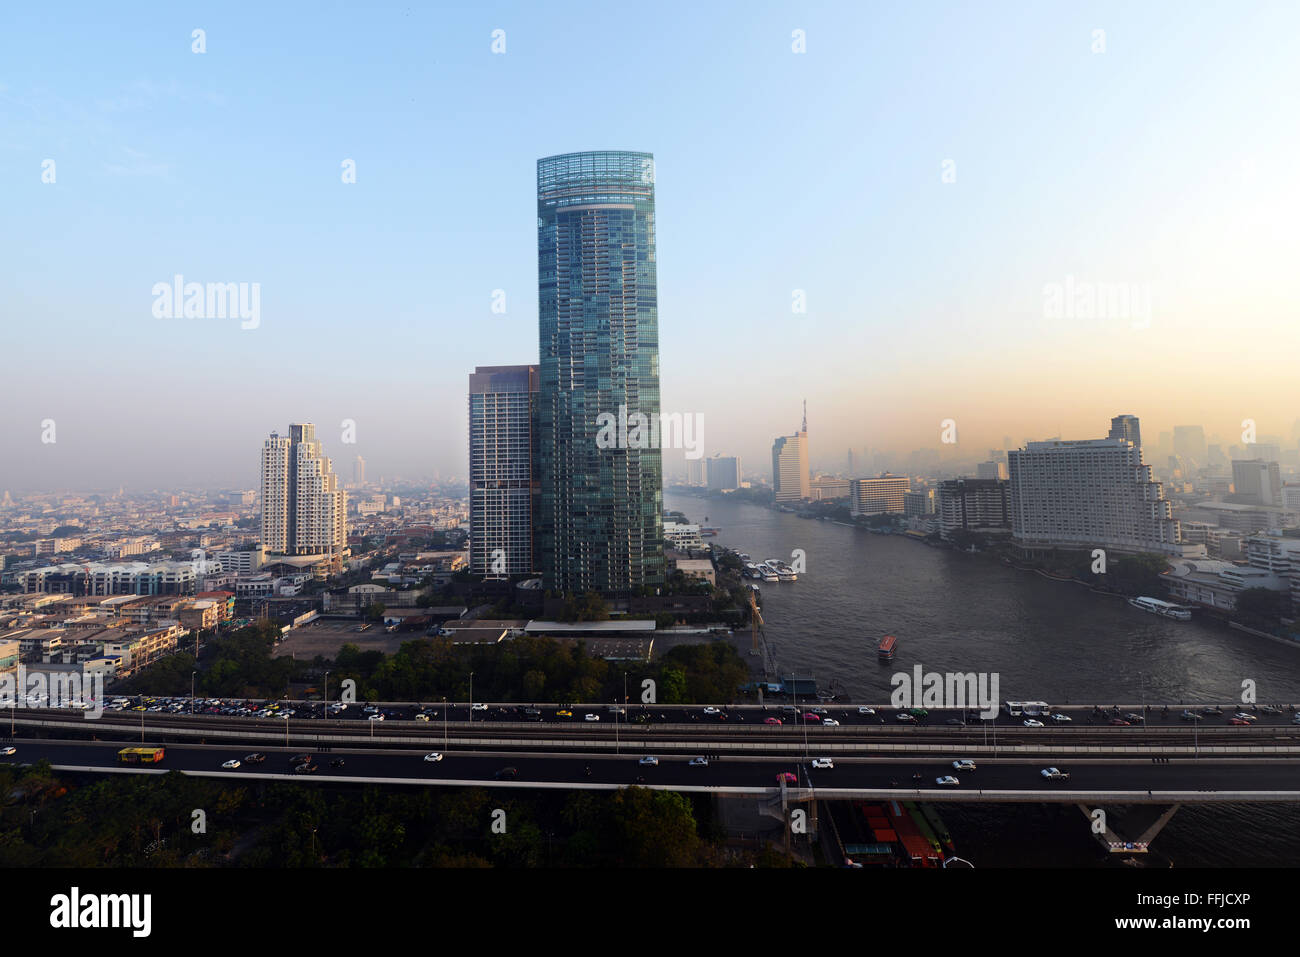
947	781
1060	718
8	750
615	709
378	716
591	717
1055	774
1033	723
421	717
231	764
830	723
433	756
1246	716
866	711
965	764
649	760
712	710
823	764
699	763
478	707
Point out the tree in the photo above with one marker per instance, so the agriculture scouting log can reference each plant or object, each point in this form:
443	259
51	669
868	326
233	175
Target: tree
1261	607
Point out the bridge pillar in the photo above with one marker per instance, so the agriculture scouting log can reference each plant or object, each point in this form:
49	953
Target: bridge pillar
1116	844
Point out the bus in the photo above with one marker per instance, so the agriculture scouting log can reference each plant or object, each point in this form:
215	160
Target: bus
140	755
1032	709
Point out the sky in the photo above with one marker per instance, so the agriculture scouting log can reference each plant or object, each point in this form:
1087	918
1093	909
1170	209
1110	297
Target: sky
944	186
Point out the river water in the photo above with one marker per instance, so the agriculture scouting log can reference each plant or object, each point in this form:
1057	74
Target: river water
1047	640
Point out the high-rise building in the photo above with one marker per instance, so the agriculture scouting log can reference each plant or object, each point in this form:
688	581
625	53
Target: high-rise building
1257	482
359	472
501	400
918	503
791	479
874	496
1086	493
724	472
1126	427
991	470
973	505
598	518
1189	443
304	511
695	474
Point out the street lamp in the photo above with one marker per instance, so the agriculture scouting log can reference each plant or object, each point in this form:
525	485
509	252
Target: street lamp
444	722
192	674
326	712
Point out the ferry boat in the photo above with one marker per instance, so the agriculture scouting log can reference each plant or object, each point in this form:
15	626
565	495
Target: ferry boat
783	571
886	647
768	572
1164	608
709	531
752	570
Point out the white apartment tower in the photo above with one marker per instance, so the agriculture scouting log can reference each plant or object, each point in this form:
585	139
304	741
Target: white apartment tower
1094	492
303	508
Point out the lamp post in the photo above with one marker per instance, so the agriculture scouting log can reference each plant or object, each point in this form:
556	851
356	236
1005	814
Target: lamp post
326	713
192	674
444	722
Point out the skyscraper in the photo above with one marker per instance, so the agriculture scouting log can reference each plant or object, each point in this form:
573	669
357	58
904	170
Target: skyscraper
790	477
1257	482
304	511
723	472
359	472
501	469
598	519
1126	427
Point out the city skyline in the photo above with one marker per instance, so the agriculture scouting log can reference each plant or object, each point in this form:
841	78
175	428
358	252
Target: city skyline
1057	258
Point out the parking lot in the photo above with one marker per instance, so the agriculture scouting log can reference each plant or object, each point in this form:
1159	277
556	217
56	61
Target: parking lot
326	636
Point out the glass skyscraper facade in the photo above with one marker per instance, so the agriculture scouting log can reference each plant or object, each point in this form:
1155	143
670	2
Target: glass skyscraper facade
598	522
501	470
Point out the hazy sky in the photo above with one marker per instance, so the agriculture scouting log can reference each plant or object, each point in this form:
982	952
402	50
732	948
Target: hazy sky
1164	166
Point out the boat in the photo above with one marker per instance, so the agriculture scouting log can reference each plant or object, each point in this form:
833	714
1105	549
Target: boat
783	571
1165	609
709	531
886	647
752	570
768	573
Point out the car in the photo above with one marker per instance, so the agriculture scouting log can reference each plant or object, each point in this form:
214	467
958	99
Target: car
1246	716
809	716
1033	723
1055	774
1295	719
947	781
906	718
649	761
337	763
823	764
378	716
300	759
1060	718
507	774
830	723
8	750
712	710
1243	722
613	709
1269	709
821	711
478	707
563	713
956	722
255	758
698	763
421	717
368	709
1190	716
591	717
965	764
1212	710
771	720
308	768
1118	722
786	777
231	764
1133	718
867	711
918	712
433	756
